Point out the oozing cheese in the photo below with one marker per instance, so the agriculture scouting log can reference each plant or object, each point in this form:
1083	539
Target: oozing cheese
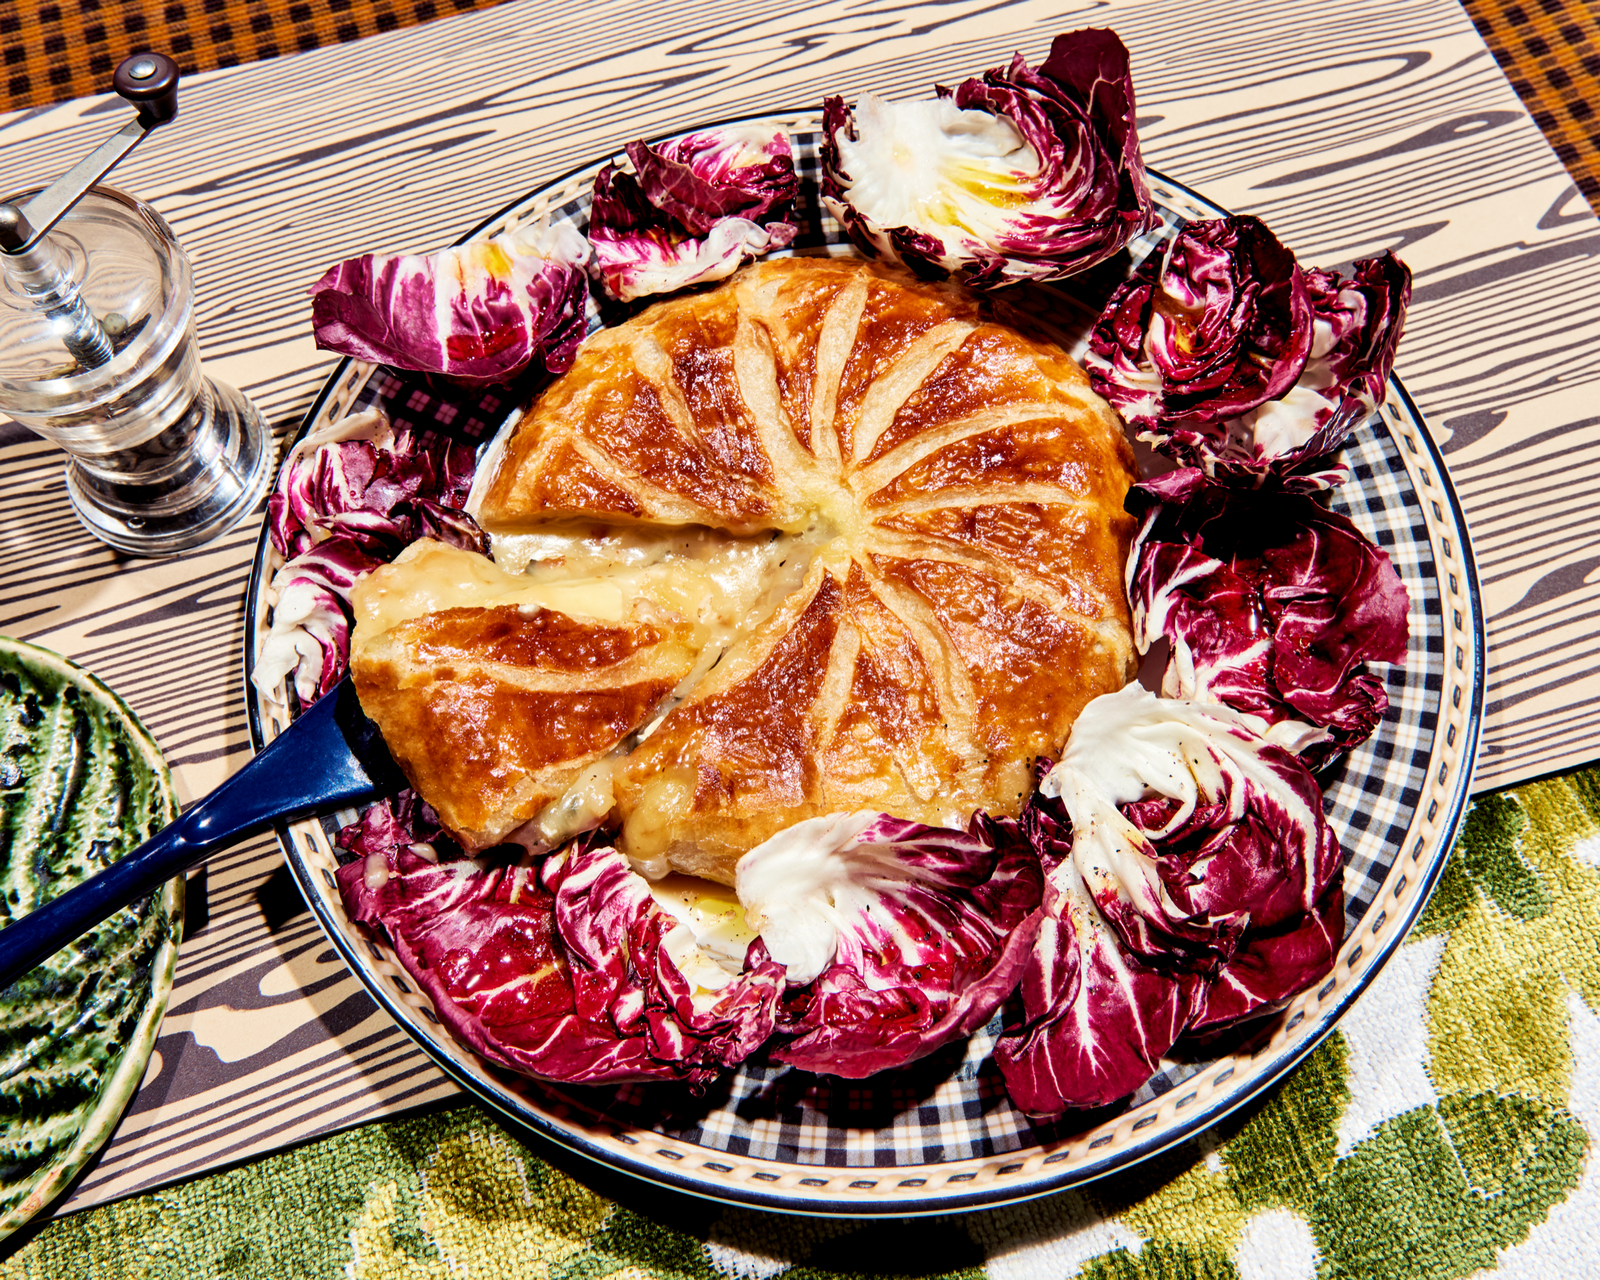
429	576
713	915
723	585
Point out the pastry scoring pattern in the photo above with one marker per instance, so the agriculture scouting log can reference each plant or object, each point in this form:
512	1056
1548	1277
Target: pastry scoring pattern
959	488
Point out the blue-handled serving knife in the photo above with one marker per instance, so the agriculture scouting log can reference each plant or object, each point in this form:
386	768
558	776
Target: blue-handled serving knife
331	757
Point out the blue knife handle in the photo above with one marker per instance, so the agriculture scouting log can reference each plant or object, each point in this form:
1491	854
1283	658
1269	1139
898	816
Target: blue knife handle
321	762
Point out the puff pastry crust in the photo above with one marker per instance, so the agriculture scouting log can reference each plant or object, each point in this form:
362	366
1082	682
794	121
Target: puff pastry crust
965	489
493	709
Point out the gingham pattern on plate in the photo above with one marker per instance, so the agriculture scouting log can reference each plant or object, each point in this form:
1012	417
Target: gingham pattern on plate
951	1109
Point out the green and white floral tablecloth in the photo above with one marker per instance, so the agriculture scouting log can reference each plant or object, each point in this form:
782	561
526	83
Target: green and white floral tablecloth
1445	1130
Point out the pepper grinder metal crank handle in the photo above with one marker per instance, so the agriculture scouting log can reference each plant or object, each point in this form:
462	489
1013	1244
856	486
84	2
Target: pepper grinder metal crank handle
147	80
150	82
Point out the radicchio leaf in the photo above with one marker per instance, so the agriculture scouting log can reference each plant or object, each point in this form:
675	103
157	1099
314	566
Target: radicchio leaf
692	209
310	633
1096	1022
1023	174
476	313
402	819
480	939
1188	826
1356	329
1229	356
1273	605
567	975
629	959
360	465
1193	881
899	937
1273	965
350	497
1213	327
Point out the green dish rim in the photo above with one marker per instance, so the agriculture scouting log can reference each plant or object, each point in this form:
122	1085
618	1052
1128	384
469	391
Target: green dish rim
47	1183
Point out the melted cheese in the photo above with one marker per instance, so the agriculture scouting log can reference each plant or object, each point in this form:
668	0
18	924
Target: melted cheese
582	807
429	576
711	913
717	583
706	577
724	585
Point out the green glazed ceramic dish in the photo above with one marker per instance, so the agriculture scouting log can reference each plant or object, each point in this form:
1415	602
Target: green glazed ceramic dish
81	785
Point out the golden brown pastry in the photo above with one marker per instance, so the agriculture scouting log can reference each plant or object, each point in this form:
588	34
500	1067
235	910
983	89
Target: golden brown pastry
491	701
958	490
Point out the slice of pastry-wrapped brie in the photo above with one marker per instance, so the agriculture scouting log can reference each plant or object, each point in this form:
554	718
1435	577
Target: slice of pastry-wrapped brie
493	693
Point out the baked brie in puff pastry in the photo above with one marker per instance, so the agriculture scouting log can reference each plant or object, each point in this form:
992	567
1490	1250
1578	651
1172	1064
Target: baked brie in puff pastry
901	576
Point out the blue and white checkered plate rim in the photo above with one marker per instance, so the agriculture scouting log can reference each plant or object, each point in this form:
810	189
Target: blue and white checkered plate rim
942	1135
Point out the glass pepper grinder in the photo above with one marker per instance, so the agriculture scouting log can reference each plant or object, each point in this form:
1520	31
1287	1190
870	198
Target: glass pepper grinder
98	352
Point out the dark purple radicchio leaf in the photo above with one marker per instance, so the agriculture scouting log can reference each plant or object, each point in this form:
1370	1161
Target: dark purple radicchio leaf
1273	605
565	975
1227	355
1187	855
693	209
349	498
404	818
476	313
1356	327
1189	827
480	940
1358	324
898	938
361	465
1272	965
1211	328
1096	1022
638	969
1023	174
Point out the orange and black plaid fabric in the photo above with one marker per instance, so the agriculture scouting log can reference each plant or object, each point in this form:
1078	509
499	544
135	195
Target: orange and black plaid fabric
1550	51
55	49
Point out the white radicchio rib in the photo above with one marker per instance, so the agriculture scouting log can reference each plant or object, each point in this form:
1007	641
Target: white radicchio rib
1188	825
898	937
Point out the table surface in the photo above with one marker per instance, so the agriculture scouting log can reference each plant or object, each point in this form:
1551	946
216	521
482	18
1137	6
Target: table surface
1350	128
1550	50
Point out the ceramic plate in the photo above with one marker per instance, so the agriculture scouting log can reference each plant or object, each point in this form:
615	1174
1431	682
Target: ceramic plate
942	1135
81	784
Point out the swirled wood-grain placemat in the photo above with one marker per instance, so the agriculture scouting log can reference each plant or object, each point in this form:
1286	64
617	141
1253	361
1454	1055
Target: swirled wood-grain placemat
59	49
1350	128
